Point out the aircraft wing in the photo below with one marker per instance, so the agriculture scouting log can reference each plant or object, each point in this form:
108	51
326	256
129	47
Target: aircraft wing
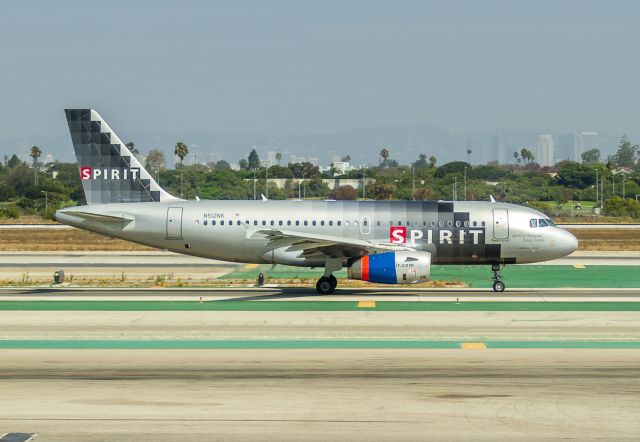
334	246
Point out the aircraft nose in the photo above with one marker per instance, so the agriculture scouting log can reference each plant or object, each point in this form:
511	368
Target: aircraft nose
569	243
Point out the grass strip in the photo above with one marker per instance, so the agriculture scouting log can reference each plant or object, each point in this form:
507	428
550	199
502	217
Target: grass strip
306	344
38	305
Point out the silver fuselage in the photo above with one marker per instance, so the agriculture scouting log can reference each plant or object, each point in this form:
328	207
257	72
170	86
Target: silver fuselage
472	232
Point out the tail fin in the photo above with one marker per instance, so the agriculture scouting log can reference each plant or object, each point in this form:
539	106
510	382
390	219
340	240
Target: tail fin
108	170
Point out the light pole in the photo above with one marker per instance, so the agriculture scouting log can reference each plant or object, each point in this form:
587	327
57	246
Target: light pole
455	188
465	183
266	178
254	183
597	185
364	183
624	177
413	182
46	201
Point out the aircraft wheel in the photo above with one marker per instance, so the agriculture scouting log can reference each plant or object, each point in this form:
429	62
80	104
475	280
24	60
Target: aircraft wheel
334	282
325	286
498	286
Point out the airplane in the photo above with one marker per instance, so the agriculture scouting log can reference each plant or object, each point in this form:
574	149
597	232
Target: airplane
387	242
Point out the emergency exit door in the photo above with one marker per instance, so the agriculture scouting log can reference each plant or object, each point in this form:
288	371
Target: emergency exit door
174	223
500	224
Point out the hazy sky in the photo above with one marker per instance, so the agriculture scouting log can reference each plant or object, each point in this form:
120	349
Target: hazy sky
323	66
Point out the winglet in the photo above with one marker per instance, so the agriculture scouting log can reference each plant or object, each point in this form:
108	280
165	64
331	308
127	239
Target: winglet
492	199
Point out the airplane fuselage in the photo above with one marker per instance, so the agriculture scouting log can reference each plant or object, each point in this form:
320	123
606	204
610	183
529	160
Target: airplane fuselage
473	232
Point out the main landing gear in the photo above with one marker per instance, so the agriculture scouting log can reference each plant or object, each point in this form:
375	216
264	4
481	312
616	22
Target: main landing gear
327	283
498	285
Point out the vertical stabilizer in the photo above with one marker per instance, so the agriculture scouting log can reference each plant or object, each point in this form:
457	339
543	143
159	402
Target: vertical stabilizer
110	173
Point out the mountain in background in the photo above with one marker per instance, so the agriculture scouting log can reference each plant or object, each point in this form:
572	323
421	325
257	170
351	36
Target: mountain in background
363	144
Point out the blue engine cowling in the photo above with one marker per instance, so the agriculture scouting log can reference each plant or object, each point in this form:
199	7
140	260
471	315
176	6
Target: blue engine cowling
392	267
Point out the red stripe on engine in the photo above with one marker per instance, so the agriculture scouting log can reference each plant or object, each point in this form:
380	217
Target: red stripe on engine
365	268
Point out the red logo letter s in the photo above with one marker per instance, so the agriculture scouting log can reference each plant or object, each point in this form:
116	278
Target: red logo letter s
397	235
85	173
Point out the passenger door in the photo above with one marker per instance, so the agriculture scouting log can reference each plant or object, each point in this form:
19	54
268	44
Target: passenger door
500	224
174	223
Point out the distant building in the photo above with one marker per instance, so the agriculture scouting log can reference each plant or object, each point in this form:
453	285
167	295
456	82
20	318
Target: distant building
546	150
499	149
583	142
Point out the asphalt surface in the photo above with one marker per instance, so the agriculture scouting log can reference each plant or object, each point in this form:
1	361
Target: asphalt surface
467	388
319	395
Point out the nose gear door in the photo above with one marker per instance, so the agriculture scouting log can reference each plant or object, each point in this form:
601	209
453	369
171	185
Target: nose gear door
500	224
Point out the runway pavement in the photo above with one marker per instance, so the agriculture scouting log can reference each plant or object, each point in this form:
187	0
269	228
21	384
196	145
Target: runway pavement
360	365
319	395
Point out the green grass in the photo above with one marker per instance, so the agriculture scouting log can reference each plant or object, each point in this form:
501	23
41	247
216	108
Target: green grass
38	305
515	276
304	344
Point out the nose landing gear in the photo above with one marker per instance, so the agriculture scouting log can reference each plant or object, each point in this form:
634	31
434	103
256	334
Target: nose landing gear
498	285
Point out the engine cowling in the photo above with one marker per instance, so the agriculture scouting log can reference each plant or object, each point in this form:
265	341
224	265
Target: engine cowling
392	267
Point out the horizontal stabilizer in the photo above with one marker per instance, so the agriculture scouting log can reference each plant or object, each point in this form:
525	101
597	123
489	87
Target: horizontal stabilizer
100	217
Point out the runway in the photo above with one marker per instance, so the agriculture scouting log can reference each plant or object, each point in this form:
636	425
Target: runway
287	364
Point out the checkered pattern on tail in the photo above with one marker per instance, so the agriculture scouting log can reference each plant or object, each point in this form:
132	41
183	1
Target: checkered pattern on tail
110	173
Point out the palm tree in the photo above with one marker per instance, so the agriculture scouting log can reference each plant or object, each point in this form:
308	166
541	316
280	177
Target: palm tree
181	150
35	154
469	152
516	157
278	157
432	161
384	154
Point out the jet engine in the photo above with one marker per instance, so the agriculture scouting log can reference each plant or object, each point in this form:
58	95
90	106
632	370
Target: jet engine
392	267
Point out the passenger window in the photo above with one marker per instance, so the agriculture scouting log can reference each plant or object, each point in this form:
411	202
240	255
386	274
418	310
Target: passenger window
533	223
365	222
424	224
313	223
322	223
466	223
339	223
377	223
238	222
204	222
255	222
222	222
449	223
542	223
416	223
475	223
458	224
247	222
306	223
280	222
346	223
399	223
288	222
390	223
441	223
264	223
433	223
330	223
213	223
482	223
272	222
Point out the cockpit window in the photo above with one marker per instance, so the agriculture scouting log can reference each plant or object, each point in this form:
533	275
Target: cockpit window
533	222
551	223
542	223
